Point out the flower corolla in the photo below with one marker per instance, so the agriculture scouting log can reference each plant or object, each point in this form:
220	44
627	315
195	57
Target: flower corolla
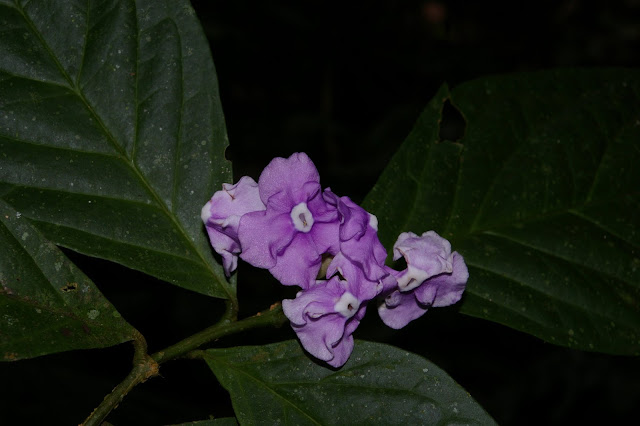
434	277
297	227
285	223
324	316
359	237
221	216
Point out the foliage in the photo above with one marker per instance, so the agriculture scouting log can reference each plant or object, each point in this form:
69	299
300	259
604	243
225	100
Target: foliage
527	196
112	138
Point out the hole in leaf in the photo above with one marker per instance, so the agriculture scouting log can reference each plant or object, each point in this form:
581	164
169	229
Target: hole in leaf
69	287
228	153
163	313
452	124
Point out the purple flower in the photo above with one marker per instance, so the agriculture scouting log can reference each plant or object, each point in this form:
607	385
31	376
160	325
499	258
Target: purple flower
359	237
354	275
426	256
434	277
324	317
221	216
297	227
286	224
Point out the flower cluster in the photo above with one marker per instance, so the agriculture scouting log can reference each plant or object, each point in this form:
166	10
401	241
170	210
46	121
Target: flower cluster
287	224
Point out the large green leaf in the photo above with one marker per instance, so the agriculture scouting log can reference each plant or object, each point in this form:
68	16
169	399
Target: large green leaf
542	198
380	384
111	132
222	421
46	304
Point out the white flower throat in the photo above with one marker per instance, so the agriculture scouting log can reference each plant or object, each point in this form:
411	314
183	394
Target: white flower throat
347	305
302	217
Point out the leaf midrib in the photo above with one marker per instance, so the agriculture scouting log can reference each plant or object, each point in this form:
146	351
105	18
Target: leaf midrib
329	380
264	385
121	152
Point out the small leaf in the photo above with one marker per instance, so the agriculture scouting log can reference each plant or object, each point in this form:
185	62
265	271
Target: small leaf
379	384
111	132
540	196
47	305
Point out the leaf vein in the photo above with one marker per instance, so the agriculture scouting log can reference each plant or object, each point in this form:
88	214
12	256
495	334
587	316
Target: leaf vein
120	150
599	225
573	262
269	388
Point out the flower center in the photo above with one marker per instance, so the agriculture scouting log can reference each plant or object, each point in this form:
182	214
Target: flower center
302	217
347	305
413	278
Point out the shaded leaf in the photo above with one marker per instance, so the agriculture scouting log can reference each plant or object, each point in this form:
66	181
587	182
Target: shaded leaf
48	305
542	198
222	421
111	132
379	384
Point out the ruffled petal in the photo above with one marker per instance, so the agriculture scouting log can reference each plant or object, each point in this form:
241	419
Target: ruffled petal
353	218
297	227
368	252
354	322
323	211
429	252
356	280
221	216
401	309
390	282
226	247
325	237
263	235
313	318
326	225
233	201
342	351
426	256
445	289
319	336
288	175
321	321
298	263
359	236
317	300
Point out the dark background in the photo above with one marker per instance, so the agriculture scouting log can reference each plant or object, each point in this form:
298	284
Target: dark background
344	82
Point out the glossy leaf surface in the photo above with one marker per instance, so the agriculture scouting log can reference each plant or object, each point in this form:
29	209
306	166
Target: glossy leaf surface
541	196
47	305
221	421
111	132
379	384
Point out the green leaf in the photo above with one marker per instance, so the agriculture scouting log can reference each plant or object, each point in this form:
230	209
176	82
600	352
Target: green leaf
112	136
48	305
380	384
541	196
222	421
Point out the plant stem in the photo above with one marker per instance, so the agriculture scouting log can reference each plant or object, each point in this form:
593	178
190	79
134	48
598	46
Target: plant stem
231	312
270	317
145	366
